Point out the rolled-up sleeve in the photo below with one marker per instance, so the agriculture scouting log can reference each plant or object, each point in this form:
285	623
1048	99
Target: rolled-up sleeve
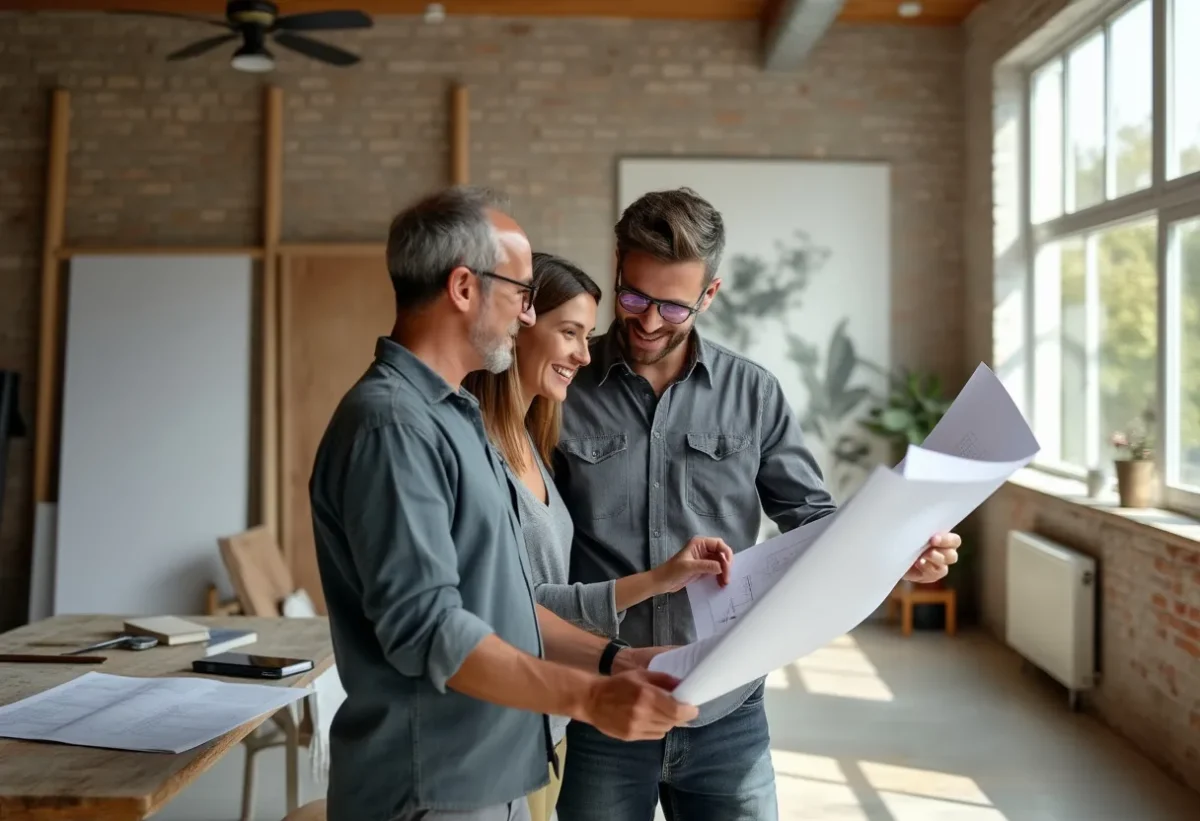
590	606
398	507
789	479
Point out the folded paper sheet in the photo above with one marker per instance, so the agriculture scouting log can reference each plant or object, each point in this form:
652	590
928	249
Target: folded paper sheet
793	594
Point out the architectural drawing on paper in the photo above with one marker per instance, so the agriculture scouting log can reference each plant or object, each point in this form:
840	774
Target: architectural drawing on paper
736	600
733	602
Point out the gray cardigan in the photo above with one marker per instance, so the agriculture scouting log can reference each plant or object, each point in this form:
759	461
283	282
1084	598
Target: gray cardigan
548	532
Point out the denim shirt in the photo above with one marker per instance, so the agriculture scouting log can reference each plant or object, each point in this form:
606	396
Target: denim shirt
421	558
642	475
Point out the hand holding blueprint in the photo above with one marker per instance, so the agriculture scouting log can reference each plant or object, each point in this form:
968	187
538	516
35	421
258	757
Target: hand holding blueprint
793	594
167	715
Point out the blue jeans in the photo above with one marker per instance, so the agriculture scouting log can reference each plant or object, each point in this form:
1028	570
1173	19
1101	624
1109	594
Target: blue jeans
720	772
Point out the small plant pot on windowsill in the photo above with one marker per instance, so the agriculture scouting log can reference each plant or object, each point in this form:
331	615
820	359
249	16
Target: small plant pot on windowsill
1135	482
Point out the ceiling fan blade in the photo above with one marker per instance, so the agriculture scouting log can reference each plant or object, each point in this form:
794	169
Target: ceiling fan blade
174	15
198	48
323	21
318	51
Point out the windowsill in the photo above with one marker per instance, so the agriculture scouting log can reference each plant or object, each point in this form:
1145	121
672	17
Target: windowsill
1074	492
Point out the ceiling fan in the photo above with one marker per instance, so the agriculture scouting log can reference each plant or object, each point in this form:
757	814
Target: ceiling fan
253	20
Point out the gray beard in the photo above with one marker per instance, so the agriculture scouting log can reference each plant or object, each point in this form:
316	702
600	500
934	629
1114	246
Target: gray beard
497	354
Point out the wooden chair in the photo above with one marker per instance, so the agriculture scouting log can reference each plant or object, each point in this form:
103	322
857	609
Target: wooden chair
261	581
312	811
906	594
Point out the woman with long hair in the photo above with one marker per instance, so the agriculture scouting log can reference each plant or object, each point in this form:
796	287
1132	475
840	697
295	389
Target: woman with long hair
522	412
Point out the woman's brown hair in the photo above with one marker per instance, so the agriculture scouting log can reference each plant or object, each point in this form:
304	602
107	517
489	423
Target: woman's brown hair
499	395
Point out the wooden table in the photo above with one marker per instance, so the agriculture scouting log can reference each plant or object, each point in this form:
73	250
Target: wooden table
57	782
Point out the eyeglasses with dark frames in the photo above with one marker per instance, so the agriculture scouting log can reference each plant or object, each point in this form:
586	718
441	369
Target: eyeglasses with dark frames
636	302
529	288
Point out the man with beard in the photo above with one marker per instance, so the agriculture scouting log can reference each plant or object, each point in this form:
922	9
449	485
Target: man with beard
448	664
666	435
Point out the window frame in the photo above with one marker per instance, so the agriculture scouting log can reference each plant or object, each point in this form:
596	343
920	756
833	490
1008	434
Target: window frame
1168	201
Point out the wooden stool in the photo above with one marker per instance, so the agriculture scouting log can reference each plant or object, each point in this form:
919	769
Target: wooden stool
907	594
312	811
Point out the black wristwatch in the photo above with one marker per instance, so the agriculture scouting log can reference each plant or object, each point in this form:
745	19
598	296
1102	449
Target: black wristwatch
610	652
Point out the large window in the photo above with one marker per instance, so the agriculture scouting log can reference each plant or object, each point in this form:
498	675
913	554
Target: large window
1113	205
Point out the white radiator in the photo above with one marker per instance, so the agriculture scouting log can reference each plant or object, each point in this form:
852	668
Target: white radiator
1051	609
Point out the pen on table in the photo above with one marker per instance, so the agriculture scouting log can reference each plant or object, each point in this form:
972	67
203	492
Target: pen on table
41	658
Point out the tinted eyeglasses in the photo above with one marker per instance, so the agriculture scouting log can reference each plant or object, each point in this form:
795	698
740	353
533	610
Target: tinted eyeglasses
638	303
529	288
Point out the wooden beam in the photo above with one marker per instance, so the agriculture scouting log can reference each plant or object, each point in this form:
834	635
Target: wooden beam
287	414
268	428
268	497
161	250
332	249
49	389
794	29
643	9
460	135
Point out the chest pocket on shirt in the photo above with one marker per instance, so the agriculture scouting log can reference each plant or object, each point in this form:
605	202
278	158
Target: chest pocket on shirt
599	482
721	468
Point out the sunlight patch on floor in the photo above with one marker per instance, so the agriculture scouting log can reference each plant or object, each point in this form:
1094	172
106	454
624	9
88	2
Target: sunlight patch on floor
923	783
904	807
842	669
814	787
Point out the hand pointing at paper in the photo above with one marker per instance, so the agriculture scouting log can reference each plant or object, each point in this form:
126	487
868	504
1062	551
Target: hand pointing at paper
940	552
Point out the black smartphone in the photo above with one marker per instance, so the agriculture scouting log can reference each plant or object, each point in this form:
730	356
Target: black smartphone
247	665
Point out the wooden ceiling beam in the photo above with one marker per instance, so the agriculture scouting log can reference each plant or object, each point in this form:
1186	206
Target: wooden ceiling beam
934	12
641	9
794	28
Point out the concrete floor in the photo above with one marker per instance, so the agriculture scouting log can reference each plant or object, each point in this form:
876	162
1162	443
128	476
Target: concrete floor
879	728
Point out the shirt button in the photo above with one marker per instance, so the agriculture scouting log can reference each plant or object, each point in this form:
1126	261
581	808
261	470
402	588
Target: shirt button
656	484
656	534
657	435
595	453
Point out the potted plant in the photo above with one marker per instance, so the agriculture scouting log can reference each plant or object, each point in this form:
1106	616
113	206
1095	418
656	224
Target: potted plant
1135	464
915	404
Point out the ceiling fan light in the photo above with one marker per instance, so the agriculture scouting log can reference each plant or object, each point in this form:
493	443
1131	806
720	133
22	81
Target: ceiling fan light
255	61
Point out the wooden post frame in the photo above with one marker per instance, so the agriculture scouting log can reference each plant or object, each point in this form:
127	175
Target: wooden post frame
270	425
49	381
268	460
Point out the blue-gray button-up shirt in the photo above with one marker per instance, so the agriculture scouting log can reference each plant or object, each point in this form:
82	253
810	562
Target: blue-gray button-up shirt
643	475
421	557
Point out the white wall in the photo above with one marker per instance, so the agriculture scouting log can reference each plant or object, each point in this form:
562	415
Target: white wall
155	430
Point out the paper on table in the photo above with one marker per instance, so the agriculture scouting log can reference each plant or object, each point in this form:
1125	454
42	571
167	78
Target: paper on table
145	714
755	571
850	569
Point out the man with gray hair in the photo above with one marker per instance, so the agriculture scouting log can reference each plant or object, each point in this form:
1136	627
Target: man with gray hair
666	435
449	665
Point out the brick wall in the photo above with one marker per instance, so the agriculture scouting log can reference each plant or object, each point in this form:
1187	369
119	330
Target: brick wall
1150	593
170	153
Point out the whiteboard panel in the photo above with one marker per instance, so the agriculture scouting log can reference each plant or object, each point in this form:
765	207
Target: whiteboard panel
156	431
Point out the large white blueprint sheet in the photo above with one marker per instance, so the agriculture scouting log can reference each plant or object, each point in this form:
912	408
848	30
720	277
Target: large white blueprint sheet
165	715
793	594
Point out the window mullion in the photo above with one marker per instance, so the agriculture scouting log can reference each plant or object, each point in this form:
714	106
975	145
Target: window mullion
1091	324
1169	294
1160	119
1109	164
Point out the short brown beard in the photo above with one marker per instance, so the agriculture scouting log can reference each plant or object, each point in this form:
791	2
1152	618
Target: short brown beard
675	339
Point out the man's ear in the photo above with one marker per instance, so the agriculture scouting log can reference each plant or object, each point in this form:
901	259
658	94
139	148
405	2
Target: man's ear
461	288
709	293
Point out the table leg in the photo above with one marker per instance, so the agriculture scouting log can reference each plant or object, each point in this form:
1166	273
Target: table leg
292	730
906	617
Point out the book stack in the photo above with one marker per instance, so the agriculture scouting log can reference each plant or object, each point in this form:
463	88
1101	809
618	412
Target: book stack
172	631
